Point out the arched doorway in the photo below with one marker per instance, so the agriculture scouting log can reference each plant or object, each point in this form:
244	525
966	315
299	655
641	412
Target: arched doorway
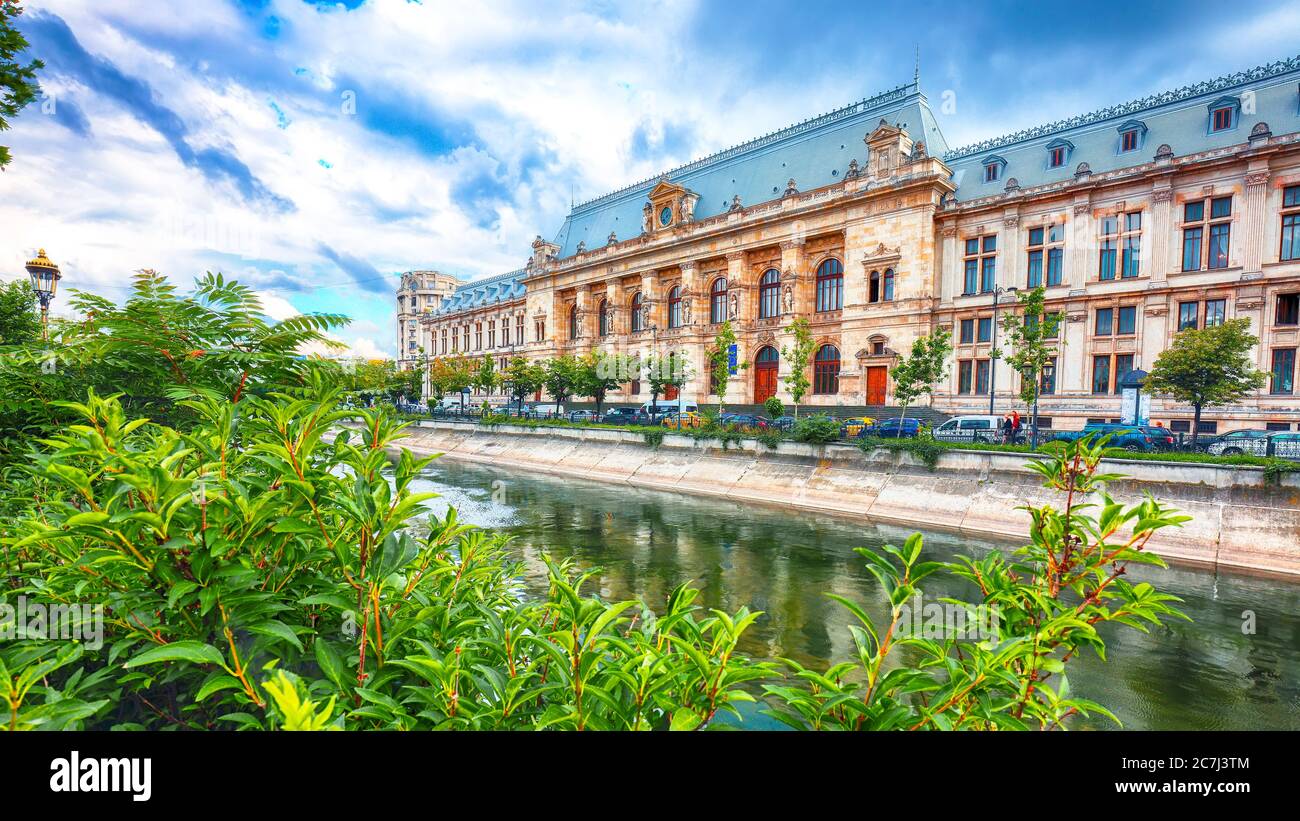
765	366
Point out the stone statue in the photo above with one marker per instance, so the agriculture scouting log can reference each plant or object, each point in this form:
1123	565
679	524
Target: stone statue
645	317
734	311
647	218
611	239
686	311
735	204
688	208
787	300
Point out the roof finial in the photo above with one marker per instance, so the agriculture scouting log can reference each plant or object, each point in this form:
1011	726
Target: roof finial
916	75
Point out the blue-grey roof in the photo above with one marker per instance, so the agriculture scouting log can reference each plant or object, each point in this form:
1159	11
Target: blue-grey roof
814	153
1179	119
476	294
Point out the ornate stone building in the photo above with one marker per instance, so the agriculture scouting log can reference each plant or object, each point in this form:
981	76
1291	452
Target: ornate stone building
1179	209
420	293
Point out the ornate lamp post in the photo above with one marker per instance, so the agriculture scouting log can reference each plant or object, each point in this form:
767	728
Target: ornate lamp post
45	280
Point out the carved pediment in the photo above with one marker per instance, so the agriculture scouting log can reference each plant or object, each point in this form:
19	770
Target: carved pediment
881	254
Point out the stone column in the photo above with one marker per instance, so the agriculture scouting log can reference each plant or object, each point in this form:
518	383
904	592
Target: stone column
739	284
1082	245
1254	216
792	262
949	284
1011	259
1157	238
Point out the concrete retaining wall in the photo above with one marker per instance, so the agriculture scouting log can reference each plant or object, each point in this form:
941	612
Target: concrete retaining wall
1239	519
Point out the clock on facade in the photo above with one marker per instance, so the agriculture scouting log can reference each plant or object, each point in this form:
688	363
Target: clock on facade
666	215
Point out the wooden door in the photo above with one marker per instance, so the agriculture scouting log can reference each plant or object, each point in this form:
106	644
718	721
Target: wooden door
765	369
877	384
670	393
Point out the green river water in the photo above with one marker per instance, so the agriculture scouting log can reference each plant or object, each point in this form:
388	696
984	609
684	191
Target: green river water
1204	674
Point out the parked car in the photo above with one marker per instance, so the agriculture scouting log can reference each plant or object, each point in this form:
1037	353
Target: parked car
1128	437
1232	441
853	425
973	428
1280	444
583	416
747	422
620	416
680	421
666	406
894	428
783	423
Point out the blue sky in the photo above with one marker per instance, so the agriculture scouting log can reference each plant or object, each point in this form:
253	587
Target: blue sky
315	150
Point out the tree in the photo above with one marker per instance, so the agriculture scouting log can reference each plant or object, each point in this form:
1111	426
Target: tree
719	357
797	382
561	377
1032	336
916	374
523	377
18	85
677	372
1207	367
20	324
450	374
485	376
599	373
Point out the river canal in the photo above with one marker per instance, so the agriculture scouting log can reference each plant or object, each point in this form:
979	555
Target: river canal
1203	675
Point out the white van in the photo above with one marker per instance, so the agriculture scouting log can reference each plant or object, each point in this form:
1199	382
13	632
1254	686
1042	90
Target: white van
976	428
544	410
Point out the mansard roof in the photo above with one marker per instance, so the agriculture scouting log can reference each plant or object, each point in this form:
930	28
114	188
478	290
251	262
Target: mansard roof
484	292
1178	118
814	153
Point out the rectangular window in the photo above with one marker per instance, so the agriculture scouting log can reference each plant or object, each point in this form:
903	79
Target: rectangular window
1054	328
1046	256
1127	324
1056	157
1128	141
1132	244
970	281
1221	120
1290	223
1187	315
1288	309
988	264
991	172
985	329
967	331
1123	364
1216	311
1109	244
981	376
964	376
1283	381
1207	239
1105	323
1101	374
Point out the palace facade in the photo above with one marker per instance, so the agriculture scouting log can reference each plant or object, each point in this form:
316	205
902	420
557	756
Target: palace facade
1174	211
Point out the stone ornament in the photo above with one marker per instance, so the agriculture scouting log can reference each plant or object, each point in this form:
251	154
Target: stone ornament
787	300
734	310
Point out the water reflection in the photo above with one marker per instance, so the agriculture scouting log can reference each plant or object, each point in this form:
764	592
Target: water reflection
1201	675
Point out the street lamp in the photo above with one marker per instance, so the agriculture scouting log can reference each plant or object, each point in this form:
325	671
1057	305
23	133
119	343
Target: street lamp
998	291
45	280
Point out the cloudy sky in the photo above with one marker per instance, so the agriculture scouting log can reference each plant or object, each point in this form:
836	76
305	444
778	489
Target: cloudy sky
317	149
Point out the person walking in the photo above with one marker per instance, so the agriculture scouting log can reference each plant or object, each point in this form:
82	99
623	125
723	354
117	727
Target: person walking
1007	429
1015	426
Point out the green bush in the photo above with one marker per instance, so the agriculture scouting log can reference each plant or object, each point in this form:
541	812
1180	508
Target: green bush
774	408
818	429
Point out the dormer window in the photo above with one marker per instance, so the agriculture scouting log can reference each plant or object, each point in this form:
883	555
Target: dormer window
1224	113
1058	153
1131	135
993	168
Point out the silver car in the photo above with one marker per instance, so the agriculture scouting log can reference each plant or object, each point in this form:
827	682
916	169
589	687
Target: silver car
1282	445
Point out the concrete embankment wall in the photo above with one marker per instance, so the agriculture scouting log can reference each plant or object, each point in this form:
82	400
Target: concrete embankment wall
1239	518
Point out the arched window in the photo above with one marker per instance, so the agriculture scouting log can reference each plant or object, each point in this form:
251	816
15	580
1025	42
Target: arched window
573	321
675	307
767	357
830	285
637	301
826	370
888	295
718	301
604	317
769	294
880	287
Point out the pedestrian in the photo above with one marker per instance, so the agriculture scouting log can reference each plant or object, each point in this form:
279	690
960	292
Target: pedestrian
1007	428
1015	426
